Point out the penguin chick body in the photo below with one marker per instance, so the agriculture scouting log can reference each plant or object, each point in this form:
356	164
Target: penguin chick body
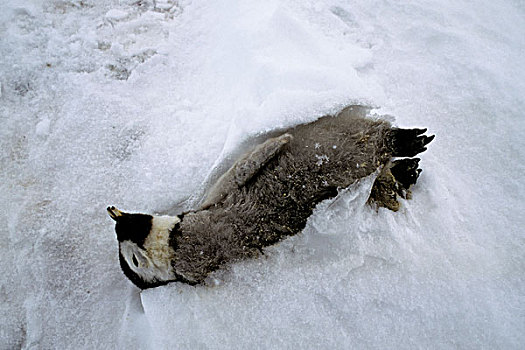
268	194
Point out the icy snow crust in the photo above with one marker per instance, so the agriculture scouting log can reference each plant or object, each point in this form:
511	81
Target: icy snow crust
134	103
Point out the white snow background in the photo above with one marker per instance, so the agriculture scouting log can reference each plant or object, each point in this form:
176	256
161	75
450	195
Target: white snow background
133	103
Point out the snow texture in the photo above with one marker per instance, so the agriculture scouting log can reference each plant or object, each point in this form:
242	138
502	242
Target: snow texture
135	103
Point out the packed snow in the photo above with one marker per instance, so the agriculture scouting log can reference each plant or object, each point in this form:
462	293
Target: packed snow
138	103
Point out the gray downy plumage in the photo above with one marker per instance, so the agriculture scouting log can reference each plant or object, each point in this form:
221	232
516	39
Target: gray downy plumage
268	194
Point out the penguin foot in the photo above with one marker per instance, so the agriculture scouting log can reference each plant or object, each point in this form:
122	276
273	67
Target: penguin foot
395	180
405	172
407	142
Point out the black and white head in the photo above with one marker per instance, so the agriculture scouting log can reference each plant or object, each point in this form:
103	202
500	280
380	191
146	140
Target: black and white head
145	252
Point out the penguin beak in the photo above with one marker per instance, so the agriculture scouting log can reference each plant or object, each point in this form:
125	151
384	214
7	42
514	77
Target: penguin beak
114	213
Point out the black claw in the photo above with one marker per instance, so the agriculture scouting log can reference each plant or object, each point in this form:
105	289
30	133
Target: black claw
427	139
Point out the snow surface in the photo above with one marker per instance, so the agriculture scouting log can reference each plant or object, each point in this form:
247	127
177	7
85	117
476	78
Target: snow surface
134	103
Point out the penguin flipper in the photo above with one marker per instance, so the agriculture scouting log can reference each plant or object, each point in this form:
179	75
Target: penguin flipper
245	168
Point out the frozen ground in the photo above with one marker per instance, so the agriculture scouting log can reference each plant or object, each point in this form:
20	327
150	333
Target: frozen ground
133	103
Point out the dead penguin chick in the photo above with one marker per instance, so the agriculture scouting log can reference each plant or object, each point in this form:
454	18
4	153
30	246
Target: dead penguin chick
268	194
